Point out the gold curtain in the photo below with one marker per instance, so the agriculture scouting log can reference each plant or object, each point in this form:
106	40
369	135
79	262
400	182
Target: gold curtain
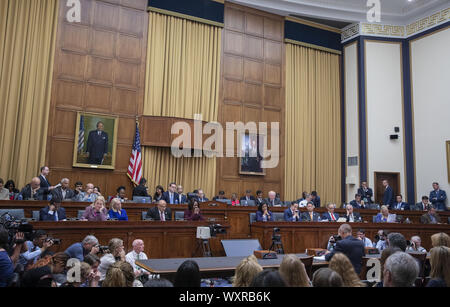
182	79
313	124
27	45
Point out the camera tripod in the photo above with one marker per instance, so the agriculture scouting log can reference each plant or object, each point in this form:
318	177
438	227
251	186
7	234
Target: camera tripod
277	245
203	245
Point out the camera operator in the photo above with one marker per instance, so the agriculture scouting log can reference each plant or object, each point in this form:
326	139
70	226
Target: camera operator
6	264
380	240
415	245
116	253
35	249
79	250
332	242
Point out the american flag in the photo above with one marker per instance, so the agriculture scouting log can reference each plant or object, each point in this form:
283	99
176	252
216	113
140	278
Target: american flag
135	166
81	135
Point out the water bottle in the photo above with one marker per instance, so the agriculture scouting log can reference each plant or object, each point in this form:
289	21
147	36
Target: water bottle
20	197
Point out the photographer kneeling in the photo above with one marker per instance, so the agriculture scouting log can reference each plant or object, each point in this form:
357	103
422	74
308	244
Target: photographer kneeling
116	253
35	249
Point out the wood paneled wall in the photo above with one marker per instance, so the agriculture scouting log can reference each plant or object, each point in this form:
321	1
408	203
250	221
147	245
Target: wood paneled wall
99	67
252	89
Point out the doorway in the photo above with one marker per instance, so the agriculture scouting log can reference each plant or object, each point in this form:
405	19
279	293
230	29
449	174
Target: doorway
394	182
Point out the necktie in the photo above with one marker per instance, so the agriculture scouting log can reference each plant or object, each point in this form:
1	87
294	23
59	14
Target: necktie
311	216
171	198
163	218
332	217
56	215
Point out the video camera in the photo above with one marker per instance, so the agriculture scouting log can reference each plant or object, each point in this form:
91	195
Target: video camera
335	238
275	236
13	225
55	241
217	229
103	249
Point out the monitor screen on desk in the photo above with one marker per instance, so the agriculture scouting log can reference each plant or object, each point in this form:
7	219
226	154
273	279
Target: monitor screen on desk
237	248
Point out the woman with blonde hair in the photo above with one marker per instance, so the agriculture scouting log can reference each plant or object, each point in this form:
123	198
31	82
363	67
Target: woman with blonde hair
121	274
116	211
246	272
342	265
440	267
440	239
96	211
293	271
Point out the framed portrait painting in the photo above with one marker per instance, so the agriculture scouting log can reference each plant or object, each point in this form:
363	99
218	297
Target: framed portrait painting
251	158
95	141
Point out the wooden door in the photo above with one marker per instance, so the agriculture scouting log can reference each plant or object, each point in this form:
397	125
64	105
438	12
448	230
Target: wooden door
394	182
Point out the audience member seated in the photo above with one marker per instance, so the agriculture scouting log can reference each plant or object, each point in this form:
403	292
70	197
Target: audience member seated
304	202
246	271
53	212
6	264
351	216
201	196
234	200
400	270
11	187
423	205
431	217
293	272
160	212
259	198
182	198
220	196
171	196
89	246
342	265
120	274
63	192
386	253
330	215
248	196
78	191
43	276
304	193
32	191
358	203
97	191
310	215
272	201
94	277
188	275
263	214
348	245
137	254
116	211
192	213
121	194
159	191
268	279
440	268
365	192
96	212
440	239
141	189
415	245
361	235
380	240
395	239
384	216
158	283
292	214
438	197
116	253
86	278
399	203
89	195
4	193
315	199
45	185
325	277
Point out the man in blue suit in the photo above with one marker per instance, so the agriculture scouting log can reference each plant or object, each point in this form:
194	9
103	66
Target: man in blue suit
357	203
315	199
438	197
97	145
53	212
400	204
310	215
349	246
388	197
330	215
170	196
182	198
292	214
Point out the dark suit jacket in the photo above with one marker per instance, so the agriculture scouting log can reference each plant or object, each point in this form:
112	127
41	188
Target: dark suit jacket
307	218
154	214
288	216
388	197
166	197
438	199
352	248
366	194
140	190
26	193
44	186
276	202
97	146
245	198
355	204
203	200
426	219
183	199
419	207
258	202
316	201
57	194
403	206
356	217
45	216
259	216
327	216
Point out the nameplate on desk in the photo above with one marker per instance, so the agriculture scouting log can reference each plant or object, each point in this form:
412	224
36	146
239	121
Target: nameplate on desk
213	205
265	254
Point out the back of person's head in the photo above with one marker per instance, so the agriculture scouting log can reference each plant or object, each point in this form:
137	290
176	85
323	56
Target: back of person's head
91	259
440	263
325	277
268	278
188	275
386	253
119	274
440	239
246	271
396	239
400	270
293	271
158	283
90	240
143	181
342	265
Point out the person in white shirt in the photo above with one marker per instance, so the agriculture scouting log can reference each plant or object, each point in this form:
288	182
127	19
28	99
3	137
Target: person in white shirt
305	202
416	245
116	253
361	235
137	254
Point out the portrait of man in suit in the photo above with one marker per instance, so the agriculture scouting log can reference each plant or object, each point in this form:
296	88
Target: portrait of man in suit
97	145
250	162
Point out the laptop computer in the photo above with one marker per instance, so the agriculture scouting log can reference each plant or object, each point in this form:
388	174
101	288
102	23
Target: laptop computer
240	247
142	199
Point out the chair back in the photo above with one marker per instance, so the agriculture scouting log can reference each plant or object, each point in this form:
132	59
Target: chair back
278	216
179	215
308	262
36	215
252	217
80	214
224	200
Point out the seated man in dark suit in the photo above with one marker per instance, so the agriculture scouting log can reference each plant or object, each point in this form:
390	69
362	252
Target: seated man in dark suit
248	196
292	214
220	196
365	192
53	212
431	217
32	191
310	215
330	215
399	204
170	196
352	216
182	198
63	192
349	246
315	199
160	212
423	205
358	203
201	196
388	196
272	201
141	189
259	198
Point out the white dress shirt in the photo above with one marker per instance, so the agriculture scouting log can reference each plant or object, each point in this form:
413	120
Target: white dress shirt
131	258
